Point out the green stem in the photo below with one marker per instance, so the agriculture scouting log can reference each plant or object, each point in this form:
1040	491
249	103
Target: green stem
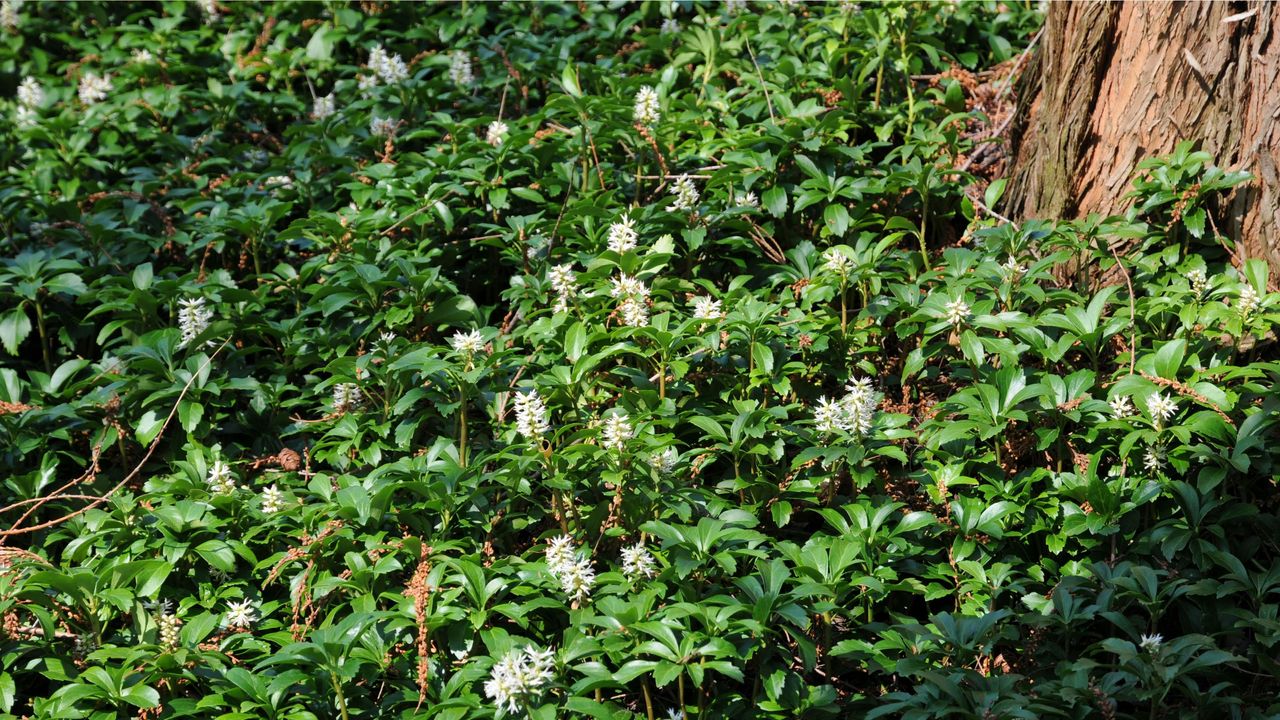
844	310
879	82
924	226
337	691
462	426
638	176
911	95
702	697
44	340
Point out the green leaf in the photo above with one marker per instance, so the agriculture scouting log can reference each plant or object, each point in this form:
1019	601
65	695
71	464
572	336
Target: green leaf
218	554
64	372
320	47
575	341
972	348
710	427
143	696
569	80
189	414
1168	359
913	364
152	576
8	692
762	357
14	328
954	99
775	200
994	192
142	276
148	427
781	512
836	217
425	361
1194	221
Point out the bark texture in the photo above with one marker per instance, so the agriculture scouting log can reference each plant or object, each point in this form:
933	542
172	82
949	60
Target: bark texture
1113	83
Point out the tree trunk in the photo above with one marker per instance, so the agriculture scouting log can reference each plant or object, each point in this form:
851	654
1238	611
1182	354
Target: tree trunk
1113	83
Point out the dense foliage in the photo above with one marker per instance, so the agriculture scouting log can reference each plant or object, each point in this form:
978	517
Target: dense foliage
609	360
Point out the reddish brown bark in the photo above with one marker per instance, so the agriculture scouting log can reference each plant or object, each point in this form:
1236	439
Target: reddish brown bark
1113	83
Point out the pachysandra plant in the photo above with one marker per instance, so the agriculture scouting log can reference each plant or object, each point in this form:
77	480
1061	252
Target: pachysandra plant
576	360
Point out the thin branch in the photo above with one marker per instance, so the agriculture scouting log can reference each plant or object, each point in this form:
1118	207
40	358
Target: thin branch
48	498
416	212
155	443
1008	83
993	213
767	101
1133	313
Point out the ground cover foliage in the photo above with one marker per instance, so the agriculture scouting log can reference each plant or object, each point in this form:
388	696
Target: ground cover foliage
605	360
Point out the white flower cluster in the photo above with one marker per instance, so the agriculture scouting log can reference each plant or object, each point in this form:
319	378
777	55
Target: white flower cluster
169	626
1151	643
210	10
1160	408
346	397
94	88
460	69
646	107
383	127
733	7
854	413
633	307
9	17
634	312
220	479
518	677
30	93
30	98
324	106
706	307
256	156
193	319
637	563
532	419
746	200
957	311
665	461
240	615
1121	406
623	235
1199	281
496	133
278	183
143	56
571	567
388	68
272	500
686	195
467	343
670	26
628	286
616	432
1248	301
1013	268
837	263
1154	458
564	283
